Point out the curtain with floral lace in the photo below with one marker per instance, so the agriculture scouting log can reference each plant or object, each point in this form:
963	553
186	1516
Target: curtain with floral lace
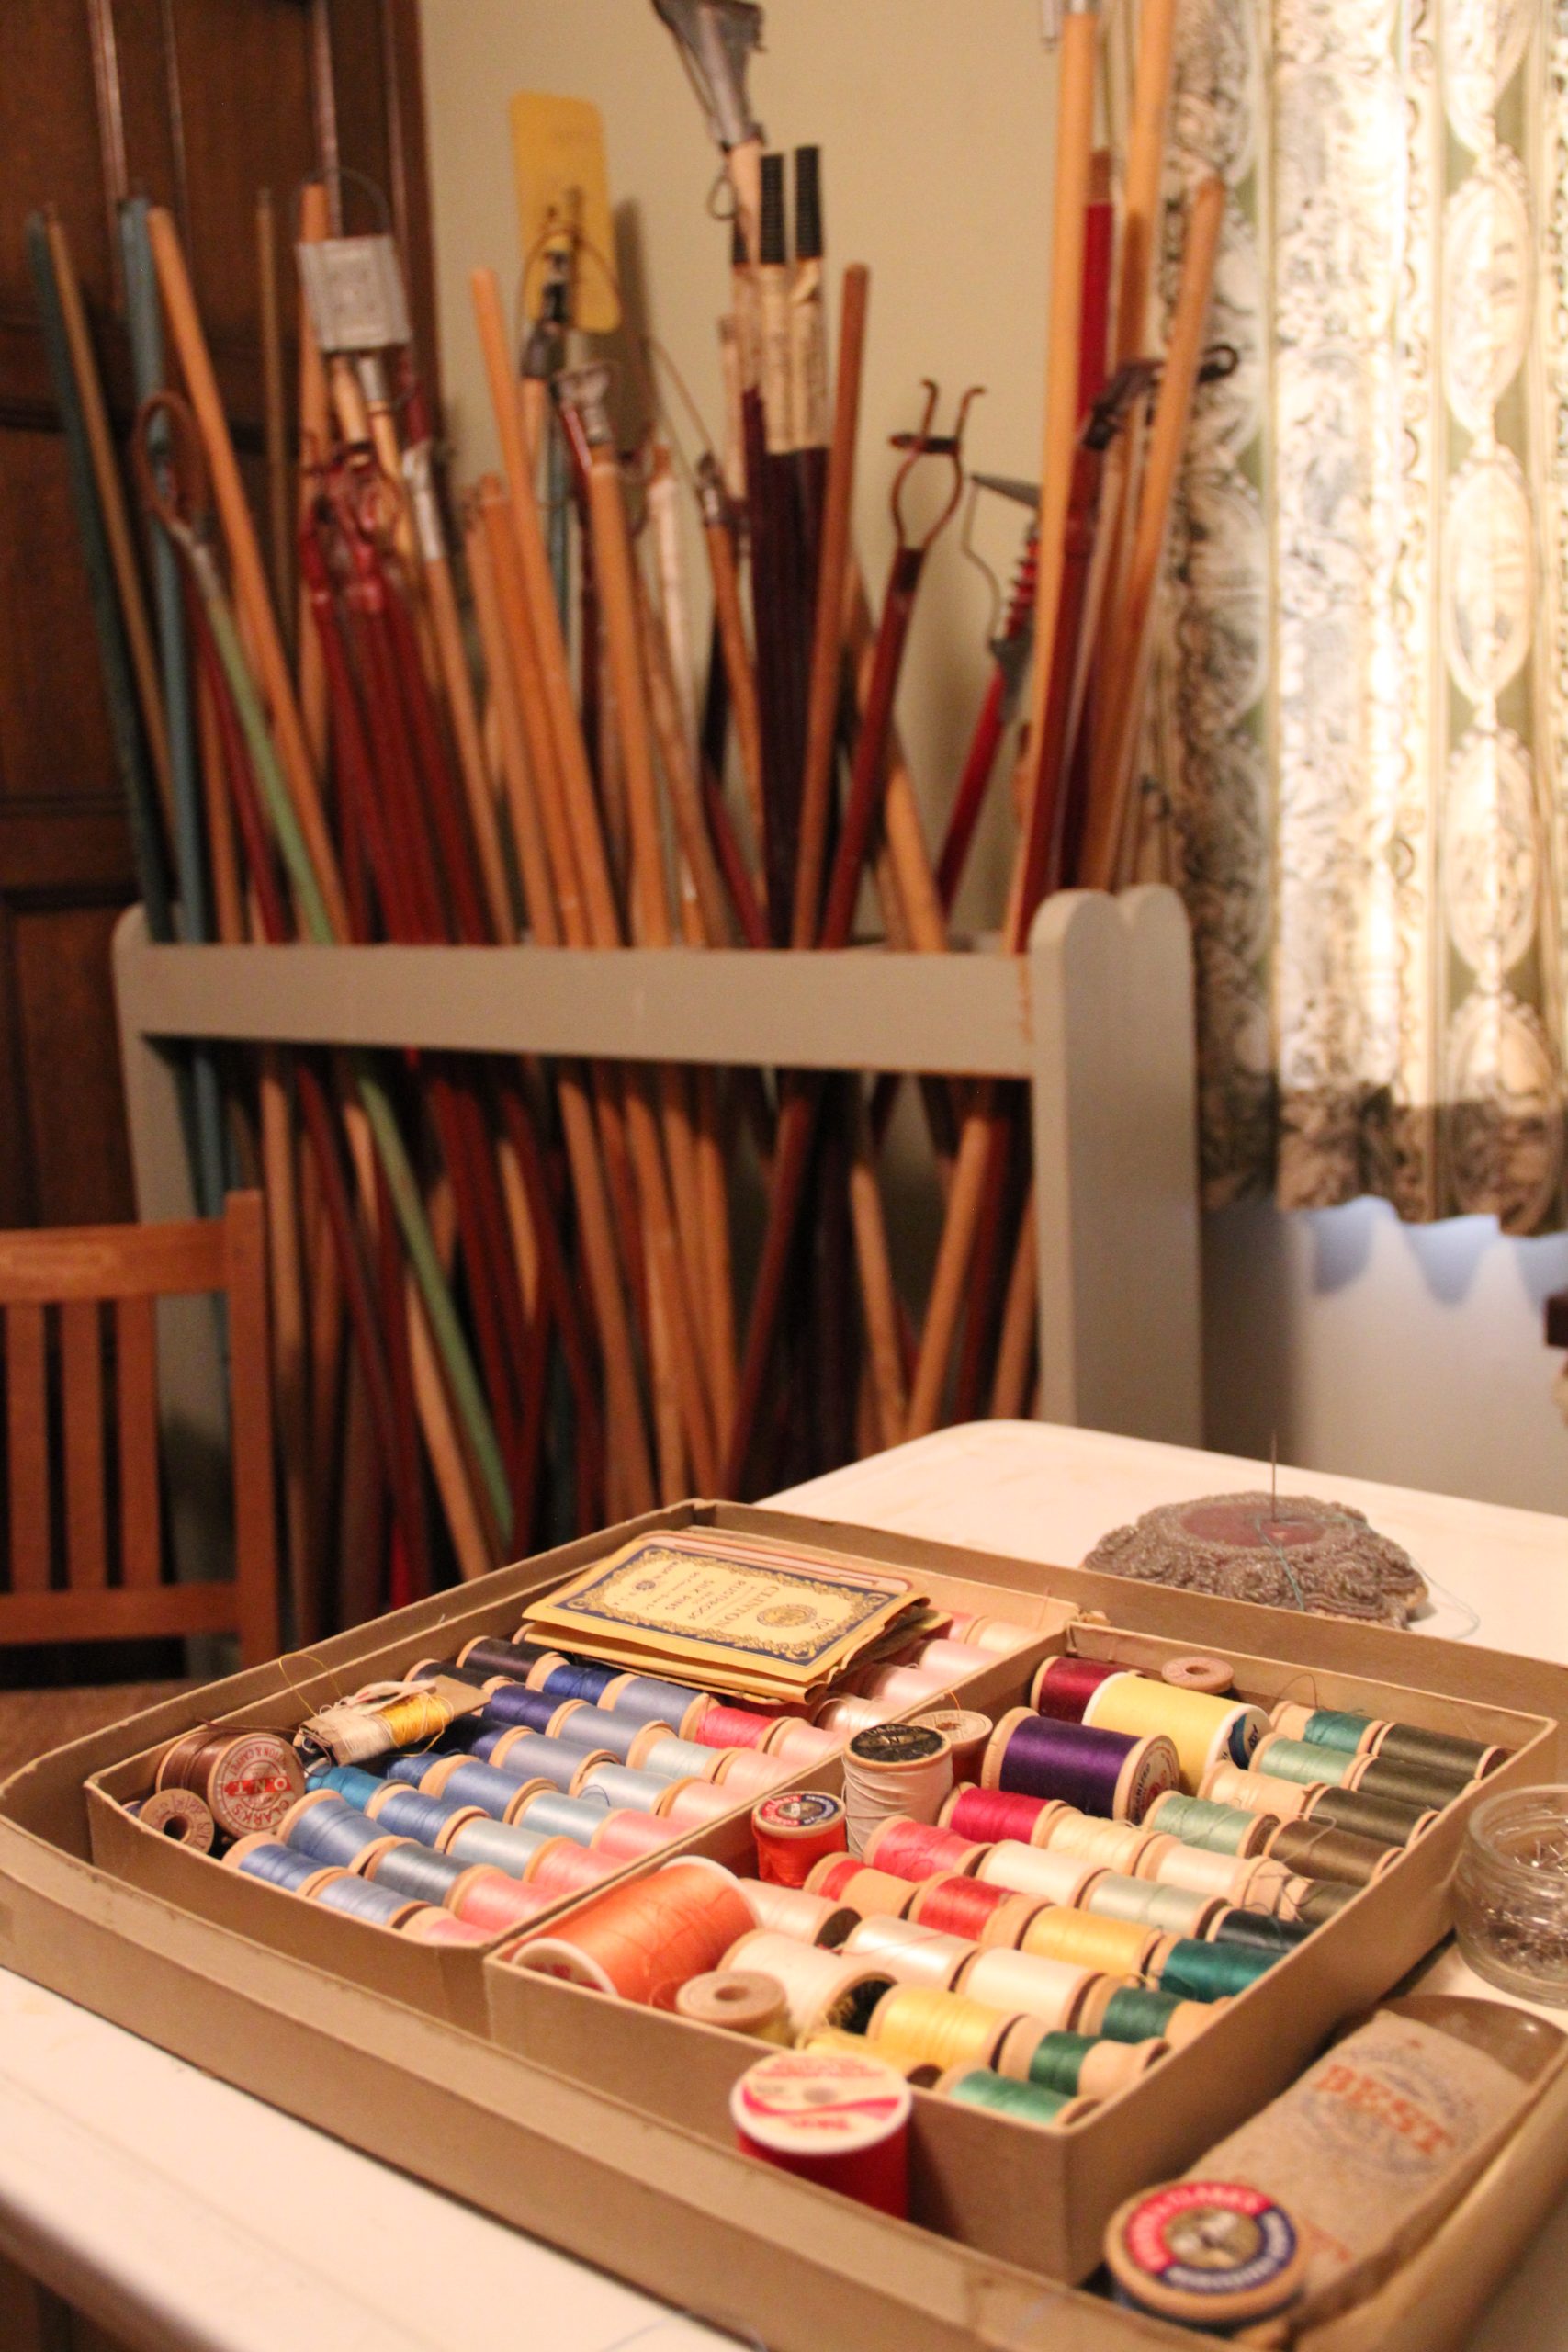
1363	719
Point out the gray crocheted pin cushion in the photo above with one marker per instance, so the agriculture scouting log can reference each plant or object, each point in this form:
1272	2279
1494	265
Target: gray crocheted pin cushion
1291	1551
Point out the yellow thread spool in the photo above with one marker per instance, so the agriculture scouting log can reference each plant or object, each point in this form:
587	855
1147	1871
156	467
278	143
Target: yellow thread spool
1205	1730
1109	1946
917	2027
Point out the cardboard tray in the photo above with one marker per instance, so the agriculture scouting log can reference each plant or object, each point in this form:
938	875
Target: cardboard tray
601	2168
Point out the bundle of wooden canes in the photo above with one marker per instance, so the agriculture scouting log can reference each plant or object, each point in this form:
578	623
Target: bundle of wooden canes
506	1300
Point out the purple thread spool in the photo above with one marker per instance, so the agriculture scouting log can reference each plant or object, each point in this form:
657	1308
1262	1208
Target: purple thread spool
1108	1773
490	1655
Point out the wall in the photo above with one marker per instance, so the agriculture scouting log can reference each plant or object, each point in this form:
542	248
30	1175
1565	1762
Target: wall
1366	1348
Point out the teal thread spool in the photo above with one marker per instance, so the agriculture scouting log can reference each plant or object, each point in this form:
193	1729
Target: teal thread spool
1198	1972
1172	1910
1327	1727
355	1787
1198	1821
1024	2102
502	1845
1139	2013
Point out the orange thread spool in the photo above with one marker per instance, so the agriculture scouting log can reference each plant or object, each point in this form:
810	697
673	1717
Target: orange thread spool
489	1899
795	1833
429	1926
562	1867
966	1907
642	1942
734	1727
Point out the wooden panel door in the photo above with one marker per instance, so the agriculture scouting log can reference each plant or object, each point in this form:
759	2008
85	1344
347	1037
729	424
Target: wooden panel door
198	104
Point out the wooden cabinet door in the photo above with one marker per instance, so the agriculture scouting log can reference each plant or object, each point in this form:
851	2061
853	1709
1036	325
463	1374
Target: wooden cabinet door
199	105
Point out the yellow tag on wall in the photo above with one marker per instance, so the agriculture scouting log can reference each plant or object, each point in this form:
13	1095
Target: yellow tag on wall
563	188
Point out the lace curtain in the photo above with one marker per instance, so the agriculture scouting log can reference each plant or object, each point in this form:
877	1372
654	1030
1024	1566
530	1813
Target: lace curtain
1361	746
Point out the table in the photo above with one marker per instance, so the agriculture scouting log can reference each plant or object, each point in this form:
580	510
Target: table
189	2217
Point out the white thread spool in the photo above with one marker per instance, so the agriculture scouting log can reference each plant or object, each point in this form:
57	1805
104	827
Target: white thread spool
893	1770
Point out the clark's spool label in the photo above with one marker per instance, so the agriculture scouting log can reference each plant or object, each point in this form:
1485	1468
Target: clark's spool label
891	1746
819	2104
801	1814
251	1782
1216	2254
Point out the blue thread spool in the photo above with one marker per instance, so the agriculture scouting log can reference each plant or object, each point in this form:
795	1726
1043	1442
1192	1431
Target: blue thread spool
509	1709
637	1791
414	1871
361	1900
649	1701
488	1655
559	1816
352	1785
680	1759
472	1783
409	1771
409	1813
451	1669
589	1727
278	1865
500	1846
579	1678
530	1756
330	1831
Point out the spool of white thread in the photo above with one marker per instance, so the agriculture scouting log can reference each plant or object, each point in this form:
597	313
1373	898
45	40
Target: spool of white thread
893	1770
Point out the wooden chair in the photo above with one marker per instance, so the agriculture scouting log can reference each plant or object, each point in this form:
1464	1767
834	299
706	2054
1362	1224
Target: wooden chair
104	1583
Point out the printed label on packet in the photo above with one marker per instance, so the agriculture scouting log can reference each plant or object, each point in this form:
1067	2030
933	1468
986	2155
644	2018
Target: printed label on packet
1211	2239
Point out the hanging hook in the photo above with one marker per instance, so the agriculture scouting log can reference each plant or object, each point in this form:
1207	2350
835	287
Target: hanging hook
923	443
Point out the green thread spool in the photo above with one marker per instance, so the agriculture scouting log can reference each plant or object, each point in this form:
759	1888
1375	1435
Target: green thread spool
1026	2102
1326	1900
1378	1818
1462	1760
1255	1931
1210	1971
1303	1762
1139	2013
1407	1784
1198	1821
1327	1727
1315	1849
1174	1910
1056	2061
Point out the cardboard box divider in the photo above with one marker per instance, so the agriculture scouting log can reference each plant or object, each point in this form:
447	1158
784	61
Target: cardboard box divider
657	2201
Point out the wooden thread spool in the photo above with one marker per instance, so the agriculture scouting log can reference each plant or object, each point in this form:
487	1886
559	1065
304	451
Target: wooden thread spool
1029	2103
834	2116
1204	1730
819	1987
793	1833
489	1899
791	1911
965	1734
1080	2065
1040	1873
426	1925
904	1686
561	1867
1110	1773
1047	1992
1171	1910
746	1773
957	1661
844	1717
989	1815
868	1893
903	1770
247	1779
910	1954
1259	1792
691	1804
630	1836
179	1816
998	1636
1119	2010
1380	1818
1308	1767
964	1907
801	1746
919	2027
680	1759
1108	1947
643	1941
1218	1829
1404	1783
739	2001
1221	1876
919	1849
1214	1676
1315	1849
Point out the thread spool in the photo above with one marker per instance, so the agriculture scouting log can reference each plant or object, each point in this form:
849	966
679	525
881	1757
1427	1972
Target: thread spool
321	1826
1200	1971
844	1717
1099	1772
1459	1760
733	1727
1217	2255
492	1655
965	1734
491	1900
1202	1730
354	1785
739	2001
1029	1985
1316	1849
378	1907
909	1953
988	1816
1254	1930
919	1849
426	1925
1077	2065
745	1774
414	1871
1218	1829
562	1868
792	1911
1315	1901
641	1941
1169	1910
998	1636
834	2117
600	1732
955	1661
179	1816
502	1845
462	1780
409	1769
1404	1783
916	2025
1102	1845
544	1666
680	1759
573	1679
516	1708
1365	1815
1106	1946
649	1700
800	1745
447	1670
1121	2012
356	1730
868	1893
691	1804
819	1987
1214	1676
1309	1767
624	1789
531	1756
1218	1876
894	1769
1260	1792
793	1833
409	1813
260	1856
1047	1876
903	1686
576	1818
1020	2102
966	1906
247	1779
628	1837
1064	1686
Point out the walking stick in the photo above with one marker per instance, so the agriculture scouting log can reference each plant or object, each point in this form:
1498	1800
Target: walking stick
315	429
719	537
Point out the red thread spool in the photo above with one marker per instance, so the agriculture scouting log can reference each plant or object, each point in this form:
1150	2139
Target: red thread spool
489	1899
563	1867
830	1878
627	1837
919	1849
1064	1686
644	1940
832	2117
960	1906
795	1833
988	1816
429	1926
734	1727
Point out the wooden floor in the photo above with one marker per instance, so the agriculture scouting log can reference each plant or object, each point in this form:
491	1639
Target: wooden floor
32	1722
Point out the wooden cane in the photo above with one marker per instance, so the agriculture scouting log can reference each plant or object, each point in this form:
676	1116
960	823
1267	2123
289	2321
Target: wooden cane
875	1277
244	555
1140	181
1133	645
719	539
1010	1389
679	775
822	707
279	514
